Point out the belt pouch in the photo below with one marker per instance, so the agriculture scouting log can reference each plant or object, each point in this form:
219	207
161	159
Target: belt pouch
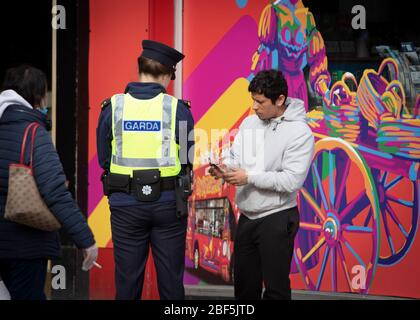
118	183
146	184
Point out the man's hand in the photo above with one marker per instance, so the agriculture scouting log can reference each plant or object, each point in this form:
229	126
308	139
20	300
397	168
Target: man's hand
236	177
216	172
90	254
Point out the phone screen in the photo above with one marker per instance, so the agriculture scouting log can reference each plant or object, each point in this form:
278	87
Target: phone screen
217	167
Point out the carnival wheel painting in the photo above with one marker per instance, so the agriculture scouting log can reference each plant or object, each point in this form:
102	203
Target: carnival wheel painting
339	220
398	198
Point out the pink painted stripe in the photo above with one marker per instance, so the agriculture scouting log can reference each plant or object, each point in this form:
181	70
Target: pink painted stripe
95	191
229	60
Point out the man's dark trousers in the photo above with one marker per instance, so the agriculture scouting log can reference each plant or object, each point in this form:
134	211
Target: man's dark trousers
263	252
134	228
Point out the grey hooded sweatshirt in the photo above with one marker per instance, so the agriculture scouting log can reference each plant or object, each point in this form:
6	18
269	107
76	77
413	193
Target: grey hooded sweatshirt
277	154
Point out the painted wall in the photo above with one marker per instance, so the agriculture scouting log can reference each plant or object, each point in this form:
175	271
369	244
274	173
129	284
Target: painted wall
359	205
115	44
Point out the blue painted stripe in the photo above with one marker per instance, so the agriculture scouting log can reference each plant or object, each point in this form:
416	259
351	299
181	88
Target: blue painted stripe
275	59
413	171
406	203
393	183
357	228
318	179
374	152
400	139
403	230
391	245
355	254
324	262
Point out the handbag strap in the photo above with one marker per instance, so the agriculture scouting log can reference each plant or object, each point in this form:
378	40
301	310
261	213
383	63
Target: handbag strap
34	126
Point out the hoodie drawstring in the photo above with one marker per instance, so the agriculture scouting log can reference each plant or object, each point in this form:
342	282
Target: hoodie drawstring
277	123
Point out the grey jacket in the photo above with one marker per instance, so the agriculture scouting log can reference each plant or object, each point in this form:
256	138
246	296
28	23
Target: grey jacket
277	155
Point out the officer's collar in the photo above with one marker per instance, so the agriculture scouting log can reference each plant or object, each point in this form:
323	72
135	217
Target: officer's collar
152	88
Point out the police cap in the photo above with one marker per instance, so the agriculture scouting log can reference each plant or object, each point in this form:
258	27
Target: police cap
162	53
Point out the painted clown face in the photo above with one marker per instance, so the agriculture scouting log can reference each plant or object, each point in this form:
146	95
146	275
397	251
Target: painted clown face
291	30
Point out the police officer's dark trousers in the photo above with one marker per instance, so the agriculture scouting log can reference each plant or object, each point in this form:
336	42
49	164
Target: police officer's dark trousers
134	228
263	252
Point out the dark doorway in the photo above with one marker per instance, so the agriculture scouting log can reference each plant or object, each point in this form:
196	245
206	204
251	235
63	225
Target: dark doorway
25	30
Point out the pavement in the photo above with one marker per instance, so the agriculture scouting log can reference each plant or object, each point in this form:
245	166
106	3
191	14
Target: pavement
220	292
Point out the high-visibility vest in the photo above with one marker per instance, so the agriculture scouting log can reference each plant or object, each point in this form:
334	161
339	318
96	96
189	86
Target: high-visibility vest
144	135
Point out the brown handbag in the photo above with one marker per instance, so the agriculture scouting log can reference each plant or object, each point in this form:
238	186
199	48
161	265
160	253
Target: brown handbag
24	203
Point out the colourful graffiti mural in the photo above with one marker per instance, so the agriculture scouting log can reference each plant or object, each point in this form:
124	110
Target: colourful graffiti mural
379	149
289	41
359	205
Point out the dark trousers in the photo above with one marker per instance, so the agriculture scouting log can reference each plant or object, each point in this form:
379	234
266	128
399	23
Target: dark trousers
263	253
134	228
25	279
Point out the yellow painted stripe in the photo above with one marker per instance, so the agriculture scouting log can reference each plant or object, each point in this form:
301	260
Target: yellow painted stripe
317	246
228	108
99	222
222	115
313	204
310	226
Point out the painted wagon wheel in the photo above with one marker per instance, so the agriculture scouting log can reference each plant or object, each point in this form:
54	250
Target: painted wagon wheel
339	196
398	200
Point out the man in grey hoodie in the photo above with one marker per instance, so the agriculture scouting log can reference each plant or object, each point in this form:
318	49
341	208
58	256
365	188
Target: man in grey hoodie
269	160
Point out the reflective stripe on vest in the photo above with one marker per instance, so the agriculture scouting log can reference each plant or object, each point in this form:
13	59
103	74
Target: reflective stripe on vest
149	124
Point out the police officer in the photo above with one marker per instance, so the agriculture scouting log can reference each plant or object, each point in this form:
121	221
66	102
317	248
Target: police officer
143	142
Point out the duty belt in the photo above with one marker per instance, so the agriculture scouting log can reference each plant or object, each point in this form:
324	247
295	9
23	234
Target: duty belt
124	183
166	184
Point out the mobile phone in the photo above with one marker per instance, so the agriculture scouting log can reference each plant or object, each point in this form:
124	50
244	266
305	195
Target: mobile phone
217	167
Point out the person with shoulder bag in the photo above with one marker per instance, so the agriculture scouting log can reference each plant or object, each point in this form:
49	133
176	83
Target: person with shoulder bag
27	152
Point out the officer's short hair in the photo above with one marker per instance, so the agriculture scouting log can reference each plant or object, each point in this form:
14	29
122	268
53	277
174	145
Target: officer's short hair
29	82
153	67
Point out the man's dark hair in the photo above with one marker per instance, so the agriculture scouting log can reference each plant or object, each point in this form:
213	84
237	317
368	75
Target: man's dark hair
153	68
270	83
29	82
